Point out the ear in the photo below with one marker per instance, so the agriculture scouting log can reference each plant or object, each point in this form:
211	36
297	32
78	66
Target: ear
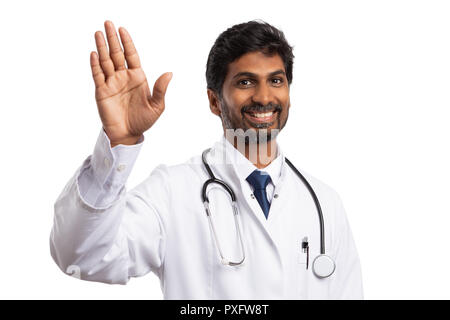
214	103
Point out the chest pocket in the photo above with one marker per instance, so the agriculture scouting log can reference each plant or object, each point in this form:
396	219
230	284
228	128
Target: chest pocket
303	263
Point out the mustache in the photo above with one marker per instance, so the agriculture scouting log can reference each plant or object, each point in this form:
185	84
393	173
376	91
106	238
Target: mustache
256	107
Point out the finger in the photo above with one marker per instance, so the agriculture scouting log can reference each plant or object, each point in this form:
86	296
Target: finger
131	54
160	88
115	50
105	61
97	72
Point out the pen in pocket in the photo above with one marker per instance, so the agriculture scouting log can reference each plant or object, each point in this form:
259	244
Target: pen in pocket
305	248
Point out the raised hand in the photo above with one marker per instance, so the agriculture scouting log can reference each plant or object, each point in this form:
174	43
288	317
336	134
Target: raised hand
126	106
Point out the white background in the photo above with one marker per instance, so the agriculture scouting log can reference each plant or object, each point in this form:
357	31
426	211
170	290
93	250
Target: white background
369	116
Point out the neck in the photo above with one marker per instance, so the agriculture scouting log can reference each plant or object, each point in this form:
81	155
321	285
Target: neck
260	154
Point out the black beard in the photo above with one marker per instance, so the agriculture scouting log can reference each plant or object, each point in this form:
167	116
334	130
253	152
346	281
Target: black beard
253	138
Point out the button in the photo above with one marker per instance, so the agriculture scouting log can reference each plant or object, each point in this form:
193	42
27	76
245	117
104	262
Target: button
252	195
275	195
121	167
107	162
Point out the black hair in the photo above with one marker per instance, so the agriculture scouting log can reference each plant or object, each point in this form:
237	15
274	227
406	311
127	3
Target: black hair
240	39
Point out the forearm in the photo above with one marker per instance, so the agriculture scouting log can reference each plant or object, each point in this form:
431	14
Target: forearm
88	214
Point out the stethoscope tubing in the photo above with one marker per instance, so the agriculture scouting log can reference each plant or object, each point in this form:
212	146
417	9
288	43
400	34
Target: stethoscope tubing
317	203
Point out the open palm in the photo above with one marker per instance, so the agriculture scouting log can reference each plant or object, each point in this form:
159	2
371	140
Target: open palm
126	106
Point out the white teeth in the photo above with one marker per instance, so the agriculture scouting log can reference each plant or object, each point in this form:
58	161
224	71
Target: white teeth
262	115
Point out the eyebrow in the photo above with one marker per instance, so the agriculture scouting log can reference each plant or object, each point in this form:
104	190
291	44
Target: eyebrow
254	75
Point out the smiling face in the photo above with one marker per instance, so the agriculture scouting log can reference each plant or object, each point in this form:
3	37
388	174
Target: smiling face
255	95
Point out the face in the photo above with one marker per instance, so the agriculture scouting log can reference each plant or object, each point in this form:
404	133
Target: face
255	95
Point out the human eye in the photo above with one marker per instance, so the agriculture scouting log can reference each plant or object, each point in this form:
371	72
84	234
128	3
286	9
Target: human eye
244	82
277	81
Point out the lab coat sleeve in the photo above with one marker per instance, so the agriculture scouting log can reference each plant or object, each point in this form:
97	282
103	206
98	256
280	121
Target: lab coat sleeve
105	173
347	280
103	233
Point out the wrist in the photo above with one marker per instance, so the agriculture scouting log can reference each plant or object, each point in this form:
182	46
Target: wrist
126	141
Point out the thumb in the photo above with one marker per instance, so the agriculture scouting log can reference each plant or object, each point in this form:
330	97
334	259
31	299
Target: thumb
160	88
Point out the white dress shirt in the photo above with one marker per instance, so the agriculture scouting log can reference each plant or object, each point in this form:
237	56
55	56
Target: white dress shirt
245	167
110	234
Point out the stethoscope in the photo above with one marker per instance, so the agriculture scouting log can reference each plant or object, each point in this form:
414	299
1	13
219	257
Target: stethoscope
323	265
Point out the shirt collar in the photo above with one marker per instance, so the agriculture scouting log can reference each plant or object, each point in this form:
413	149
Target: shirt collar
245	167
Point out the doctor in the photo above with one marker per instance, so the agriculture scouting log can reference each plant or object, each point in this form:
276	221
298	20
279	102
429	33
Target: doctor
193	236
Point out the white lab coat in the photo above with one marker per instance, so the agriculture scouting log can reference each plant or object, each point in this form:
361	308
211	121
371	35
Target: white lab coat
161	226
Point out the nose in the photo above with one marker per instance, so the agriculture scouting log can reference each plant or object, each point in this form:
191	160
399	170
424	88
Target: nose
263	94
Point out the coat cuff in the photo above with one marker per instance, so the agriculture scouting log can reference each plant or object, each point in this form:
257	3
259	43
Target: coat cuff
113	165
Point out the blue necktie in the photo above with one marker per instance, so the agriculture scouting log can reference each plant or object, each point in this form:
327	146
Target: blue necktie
259	181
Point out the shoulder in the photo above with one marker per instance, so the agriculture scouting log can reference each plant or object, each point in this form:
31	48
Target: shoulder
329	200
188	171
166	183
323	190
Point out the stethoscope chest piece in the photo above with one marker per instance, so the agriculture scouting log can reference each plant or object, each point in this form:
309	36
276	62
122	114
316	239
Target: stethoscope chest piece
323	266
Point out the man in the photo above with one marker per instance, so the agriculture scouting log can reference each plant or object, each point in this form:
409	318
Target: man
262	247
